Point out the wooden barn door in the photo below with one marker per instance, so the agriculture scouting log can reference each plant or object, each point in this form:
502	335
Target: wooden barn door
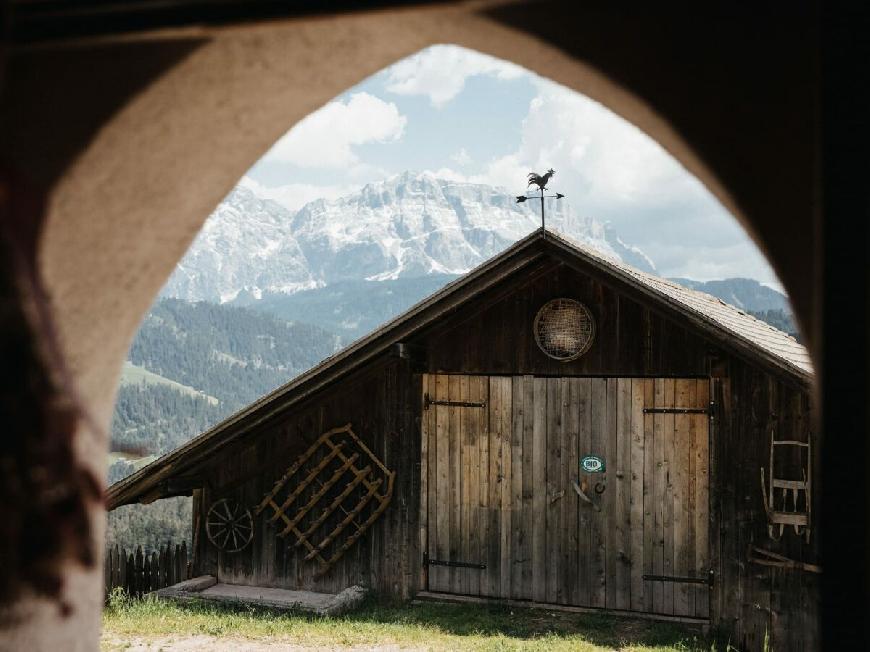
455	482
508	510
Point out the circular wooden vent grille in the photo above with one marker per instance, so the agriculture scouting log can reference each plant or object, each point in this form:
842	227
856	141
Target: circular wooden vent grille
564	329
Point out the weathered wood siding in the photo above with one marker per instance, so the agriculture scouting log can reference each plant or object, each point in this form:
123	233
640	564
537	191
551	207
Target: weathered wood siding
493	333
750	599
378	402
139	573
526	435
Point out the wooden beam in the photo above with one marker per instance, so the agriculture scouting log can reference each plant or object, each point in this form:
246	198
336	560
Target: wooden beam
415	354
183	485
432	596
151	496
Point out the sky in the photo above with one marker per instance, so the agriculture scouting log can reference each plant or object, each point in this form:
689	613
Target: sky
466	116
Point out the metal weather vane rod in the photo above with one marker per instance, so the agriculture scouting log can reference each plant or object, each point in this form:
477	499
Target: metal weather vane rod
541	181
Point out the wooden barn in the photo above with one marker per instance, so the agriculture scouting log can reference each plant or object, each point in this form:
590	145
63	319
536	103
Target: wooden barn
552	428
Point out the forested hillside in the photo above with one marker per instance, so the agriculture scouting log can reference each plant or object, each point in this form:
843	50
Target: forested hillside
154	419
231	353
192	365
351	308
225	357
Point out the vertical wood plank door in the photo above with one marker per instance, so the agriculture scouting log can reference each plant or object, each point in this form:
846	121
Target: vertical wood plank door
461	513
515	505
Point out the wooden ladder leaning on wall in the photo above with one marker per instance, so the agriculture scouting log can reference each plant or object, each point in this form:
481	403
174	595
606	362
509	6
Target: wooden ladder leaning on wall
797	518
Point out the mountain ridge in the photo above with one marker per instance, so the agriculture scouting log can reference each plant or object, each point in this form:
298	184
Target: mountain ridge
409	225
744	293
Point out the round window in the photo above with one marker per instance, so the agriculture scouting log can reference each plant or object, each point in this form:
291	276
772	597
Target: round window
564	329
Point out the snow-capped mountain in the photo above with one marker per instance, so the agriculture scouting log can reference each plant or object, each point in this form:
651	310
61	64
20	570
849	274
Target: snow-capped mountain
410	225
247	242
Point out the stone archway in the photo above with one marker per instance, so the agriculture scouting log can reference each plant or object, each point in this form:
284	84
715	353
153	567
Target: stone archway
117	136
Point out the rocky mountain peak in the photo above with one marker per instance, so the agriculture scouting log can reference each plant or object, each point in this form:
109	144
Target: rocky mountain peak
409	225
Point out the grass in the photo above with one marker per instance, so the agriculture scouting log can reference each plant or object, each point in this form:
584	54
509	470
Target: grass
420	627
135	375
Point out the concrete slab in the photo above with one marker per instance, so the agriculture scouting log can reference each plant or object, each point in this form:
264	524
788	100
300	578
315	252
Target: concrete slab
206	588
196	584
282	598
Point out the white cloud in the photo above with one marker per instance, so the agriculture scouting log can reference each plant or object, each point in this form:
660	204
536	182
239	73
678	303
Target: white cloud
325	139
440	72
504	172
612	171
709	262
448	174
598	155
461	157
294	196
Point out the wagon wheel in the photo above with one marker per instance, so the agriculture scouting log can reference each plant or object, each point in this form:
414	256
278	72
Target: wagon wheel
229	526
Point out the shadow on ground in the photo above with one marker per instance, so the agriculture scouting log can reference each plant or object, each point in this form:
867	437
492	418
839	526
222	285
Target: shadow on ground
524	623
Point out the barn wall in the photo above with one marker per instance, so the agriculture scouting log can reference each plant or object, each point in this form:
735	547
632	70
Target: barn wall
378	405
751	600
492	334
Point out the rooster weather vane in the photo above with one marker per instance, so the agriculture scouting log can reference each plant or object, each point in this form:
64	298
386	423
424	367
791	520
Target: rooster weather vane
540	180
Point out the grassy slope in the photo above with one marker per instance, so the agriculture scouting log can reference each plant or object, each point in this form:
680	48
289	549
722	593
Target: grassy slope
136	375
417	627
137	460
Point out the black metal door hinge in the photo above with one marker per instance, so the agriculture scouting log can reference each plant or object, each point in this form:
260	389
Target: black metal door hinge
427	561
428	401
708	580
675	410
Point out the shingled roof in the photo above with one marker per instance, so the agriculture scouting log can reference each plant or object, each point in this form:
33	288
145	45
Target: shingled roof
725	324
730	318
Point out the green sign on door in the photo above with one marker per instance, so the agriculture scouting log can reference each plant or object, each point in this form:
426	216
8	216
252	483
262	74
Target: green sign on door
592	464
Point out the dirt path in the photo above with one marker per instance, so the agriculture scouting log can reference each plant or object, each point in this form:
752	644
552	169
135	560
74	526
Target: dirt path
116	643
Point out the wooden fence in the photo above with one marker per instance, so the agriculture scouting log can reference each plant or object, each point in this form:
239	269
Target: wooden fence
139	573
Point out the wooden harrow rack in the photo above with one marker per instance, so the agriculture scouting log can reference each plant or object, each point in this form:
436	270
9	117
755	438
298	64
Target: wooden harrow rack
330	496
799	513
